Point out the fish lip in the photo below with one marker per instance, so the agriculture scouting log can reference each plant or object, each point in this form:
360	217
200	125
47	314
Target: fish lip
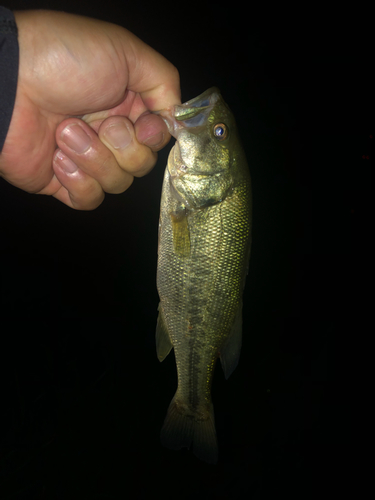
212	94
174	116
197	105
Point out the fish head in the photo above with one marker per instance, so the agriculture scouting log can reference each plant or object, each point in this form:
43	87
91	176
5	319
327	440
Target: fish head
201	163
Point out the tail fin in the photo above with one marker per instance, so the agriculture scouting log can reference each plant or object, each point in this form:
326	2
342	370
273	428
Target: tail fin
183	430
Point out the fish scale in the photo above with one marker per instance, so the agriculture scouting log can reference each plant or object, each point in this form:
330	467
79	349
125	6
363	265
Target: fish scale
203	253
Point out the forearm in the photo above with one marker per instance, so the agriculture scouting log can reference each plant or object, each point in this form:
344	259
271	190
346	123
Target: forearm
9	58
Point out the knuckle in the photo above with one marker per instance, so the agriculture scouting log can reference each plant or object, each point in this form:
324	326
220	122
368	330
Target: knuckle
140	162
175	75
88	197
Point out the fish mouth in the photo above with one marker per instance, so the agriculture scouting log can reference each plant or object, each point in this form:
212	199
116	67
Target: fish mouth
197	106
192	113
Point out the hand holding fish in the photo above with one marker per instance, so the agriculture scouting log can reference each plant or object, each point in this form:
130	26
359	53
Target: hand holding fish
82	122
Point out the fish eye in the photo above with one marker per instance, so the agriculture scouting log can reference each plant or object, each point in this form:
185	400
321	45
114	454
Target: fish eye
220	131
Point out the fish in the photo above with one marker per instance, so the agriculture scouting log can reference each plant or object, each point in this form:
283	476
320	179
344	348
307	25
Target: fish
204	245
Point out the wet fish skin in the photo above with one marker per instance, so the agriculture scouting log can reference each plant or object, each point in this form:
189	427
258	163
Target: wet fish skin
203	254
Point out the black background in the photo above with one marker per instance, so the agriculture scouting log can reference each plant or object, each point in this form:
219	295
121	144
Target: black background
83	395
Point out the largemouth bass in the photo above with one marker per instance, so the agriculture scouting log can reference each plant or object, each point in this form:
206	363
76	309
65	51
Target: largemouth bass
203	254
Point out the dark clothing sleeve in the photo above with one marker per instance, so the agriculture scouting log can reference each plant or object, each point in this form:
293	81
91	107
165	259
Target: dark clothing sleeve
9	56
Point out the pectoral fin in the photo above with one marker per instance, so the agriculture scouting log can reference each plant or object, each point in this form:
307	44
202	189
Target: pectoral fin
163	341
230	352
181	236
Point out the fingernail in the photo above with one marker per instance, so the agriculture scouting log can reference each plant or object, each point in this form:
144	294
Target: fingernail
117	135
76	138
154	140
65	163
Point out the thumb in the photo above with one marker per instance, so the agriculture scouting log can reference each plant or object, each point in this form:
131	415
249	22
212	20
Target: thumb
151	75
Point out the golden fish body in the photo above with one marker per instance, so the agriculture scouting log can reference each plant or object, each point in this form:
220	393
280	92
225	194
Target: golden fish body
204	248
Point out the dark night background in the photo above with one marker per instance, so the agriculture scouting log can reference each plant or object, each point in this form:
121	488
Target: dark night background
83	396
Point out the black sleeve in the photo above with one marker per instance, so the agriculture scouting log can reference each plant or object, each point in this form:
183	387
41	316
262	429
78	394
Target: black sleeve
9	56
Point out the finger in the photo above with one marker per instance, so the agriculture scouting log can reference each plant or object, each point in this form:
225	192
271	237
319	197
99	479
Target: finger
146	124
120	136
83	147
152	131
74	187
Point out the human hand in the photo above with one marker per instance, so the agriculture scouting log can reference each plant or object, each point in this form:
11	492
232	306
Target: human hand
82	81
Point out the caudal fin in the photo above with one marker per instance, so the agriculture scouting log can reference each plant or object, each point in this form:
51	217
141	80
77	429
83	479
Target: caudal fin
182	430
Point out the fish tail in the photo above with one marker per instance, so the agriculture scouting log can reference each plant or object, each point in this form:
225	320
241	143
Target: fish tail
183	429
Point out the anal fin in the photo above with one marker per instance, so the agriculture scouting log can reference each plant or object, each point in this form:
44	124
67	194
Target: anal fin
231	349
163	341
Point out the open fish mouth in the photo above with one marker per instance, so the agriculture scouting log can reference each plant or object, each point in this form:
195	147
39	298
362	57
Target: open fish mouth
192	113
197	108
